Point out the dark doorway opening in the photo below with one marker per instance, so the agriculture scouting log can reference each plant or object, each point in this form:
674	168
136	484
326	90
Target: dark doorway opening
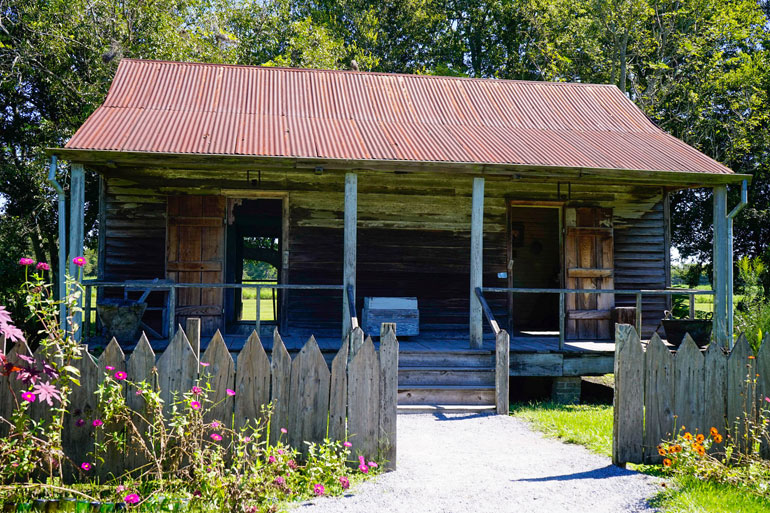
536	263
254	238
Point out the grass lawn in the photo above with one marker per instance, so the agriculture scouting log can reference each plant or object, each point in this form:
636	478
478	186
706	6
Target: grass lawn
591	426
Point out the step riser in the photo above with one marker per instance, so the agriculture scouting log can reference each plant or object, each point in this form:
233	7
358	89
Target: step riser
439	396
445	377
468	409
417	359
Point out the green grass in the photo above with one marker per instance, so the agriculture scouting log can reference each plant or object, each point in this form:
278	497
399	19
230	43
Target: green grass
591	426
266	312
583	424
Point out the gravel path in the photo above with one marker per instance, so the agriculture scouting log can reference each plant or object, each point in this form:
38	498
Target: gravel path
488	463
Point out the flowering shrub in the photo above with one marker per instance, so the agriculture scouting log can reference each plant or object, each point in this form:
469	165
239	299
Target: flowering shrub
737	459
184	457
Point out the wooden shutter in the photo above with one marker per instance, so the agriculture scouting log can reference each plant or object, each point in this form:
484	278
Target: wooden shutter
195	251
588	258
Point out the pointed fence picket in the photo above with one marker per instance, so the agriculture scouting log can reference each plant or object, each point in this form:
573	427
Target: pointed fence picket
658	394
354	400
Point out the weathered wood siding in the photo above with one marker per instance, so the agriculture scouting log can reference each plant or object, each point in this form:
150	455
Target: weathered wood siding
413	232
641	262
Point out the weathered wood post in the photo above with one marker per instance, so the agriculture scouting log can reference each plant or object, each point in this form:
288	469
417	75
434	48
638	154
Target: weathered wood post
349	248
721	262
477	261
628	405
388	393
502	370
77	214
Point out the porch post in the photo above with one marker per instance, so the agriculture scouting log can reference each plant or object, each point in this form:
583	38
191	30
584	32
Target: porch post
477	261
77	214
721	261
349	259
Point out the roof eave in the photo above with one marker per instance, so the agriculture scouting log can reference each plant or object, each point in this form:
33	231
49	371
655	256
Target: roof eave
113	159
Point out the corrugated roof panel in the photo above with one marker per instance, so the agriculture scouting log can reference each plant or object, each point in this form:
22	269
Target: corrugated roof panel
171	107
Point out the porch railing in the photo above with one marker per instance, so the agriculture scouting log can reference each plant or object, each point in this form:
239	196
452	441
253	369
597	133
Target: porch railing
172	288
638	293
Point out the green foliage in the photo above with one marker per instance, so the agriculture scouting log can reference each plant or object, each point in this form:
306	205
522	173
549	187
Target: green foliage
752	315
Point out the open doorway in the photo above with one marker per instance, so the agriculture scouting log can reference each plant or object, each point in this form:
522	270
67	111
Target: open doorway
254	239
535	262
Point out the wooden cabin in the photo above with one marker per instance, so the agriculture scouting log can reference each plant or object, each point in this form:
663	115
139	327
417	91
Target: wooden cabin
462	193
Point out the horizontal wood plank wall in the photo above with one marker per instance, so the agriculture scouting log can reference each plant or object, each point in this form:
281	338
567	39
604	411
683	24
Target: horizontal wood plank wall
640	262
413	239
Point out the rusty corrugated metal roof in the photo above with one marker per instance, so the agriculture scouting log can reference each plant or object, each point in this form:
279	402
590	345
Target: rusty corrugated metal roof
192	108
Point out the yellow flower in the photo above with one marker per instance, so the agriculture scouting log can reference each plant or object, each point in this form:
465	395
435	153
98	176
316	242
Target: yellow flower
687	436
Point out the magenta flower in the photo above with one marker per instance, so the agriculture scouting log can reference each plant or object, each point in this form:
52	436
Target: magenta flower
292	464
284	430
280	451
26	261
247	439
46	392
230	392
28	396
372	464
216	437
363	468
767	399
361	460
205	364
345	482
319	489
97	423
109	367
132	498
79	261
120	375
271	459
42	266
139	392
280	481
80	423
215	424
86	466
195	405
196	390
347	444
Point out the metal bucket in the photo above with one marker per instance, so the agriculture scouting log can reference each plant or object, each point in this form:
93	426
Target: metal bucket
699	330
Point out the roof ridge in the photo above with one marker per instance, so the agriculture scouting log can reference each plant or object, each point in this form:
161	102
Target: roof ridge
372	73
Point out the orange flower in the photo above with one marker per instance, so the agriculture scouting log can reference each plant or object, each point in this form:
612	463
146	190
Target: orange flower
671	450
662	451
687	436
695	447
714	431
718	438
752	357
700	438
677	448
666	462
700	450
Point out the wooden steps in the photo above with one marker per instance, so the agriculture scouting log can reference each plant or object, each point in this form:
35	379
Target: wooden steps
457	381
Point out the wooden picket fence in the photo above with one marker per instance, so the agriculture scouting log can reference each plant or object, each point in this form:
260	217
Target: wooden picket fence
355	400
657	392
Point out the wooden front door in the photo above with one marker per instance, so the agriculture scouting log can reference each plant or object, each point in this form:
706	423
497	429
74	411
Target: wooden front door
195	253
588	259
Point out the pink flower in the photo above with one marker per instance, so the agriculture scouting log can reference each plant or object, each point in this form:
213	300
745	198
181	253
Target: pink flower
42	266
230	392
280	481
215	424
372	464
109	367
347	444
26	261
97	423
132	498
86	466
139	392
345	482
271	459
292	464
319	489
767	399
120	375
79	261
195	405
205	364
46	392
80	423
247	439
284	430
28	396
216	437
196	390
120	489
361	460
